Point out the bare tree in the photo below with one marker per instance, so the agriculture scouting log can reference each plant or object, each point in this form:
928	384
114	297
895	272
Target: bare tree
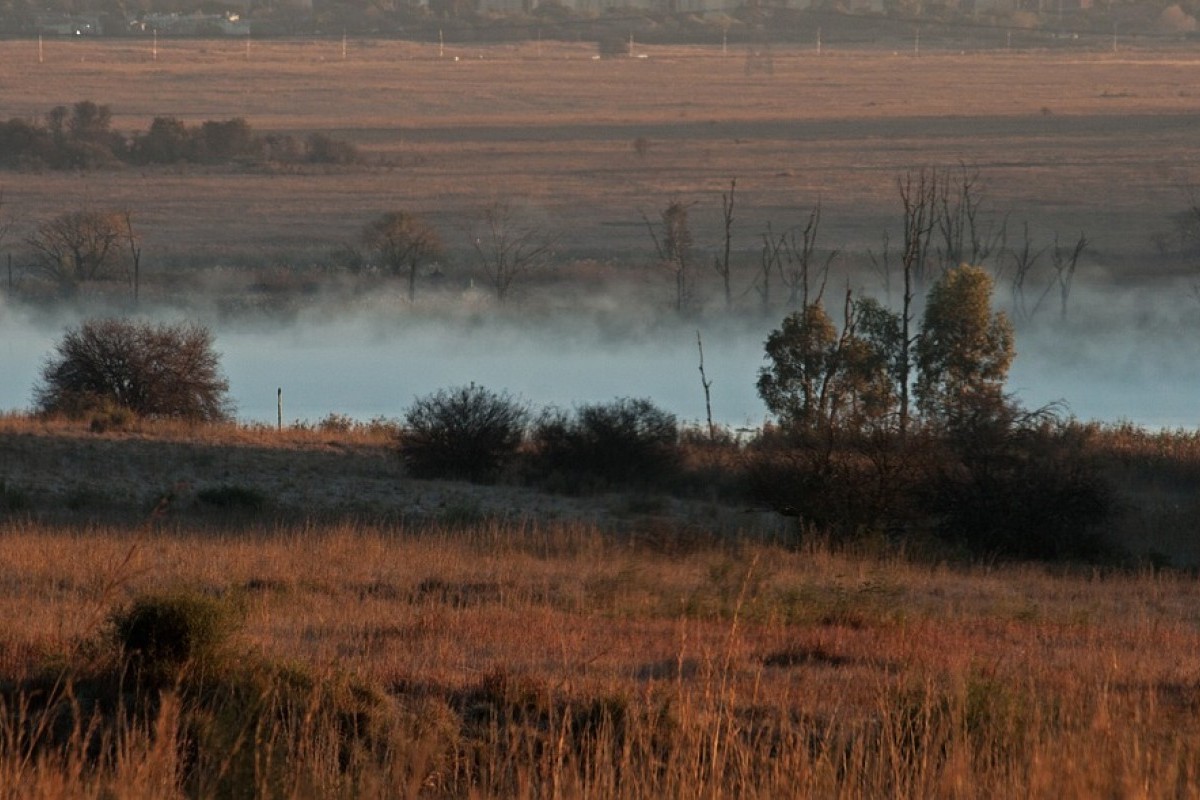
78	246
1025	259
135	252
6	226
674	247
721	265
920	198
707	384
964	236
772	252
403	242
509	248
882	264
1188	221
1065	259
6	220
801	268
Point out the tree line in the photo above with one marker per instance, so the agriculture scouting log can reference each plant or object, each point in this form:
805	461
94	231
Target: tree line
81	137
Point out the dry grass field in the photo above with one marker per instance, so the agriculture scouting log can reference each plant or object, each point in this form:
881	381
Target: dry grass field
498	642
1101	142
734	670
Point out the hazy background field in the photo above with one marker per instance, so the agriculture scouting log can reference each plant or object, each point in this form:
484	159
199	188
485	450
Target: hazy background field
1099	143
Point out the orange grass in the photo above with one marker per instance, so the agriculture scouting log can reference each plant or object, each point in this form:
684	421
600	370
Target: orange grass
785	673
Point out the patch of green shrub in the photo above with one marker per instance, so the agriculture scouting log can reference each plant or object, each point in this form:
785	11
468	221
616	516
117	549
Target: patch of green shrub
161	634
467	433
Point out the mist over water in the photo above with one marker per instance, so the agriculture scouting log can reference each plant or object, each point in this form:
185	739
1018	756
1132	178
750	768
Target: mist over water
365	369
1132	355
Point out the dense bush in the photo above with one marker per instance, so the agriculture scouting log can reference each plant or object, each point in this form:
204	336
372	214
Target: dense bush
152	370
466	433
626	441
1027	487
1013	485
162	634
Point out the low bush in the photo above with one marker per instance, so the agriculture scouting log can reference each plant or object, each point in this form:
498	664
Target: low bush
466	433
1013	485
161	634
1028	488
215	721
629	441
844	487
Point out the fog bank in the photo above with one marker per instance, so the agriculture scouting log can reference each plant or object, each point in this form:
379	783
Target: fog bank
1118	356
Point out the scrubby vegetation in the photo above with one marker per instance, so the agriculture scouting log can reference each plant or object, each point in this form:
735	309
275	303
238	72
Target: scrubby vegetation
468	433
627	442
570	660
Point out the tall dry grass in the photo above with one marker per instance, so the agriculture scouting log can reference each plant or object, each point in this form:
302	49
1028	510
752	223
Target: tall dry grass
557	661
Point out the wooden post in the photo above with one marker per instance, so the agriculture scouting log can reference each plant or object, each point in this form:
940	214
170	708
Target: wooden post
279	406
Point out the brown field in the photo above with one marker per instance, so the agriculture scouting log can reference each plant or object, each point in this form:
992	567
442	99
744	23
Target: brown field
1099	142
483	625
736	669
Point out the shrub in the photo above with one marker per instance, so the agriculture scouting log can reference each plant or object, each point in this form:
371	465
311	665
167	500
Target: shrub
626	441
241	727
152	370
1021	488
613	46
467	433
838	494
161	634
